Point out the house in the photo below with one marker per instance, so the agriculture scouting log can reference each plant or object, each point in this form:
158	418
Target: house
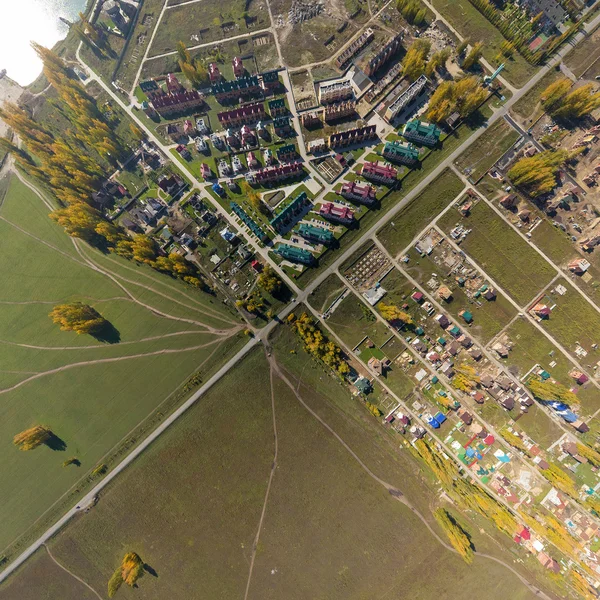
248	136
213	73
509	201
579	266
383	54
244	87
339	110
188	127
287	153
350	137
201	126
405	98
358	44
168	104
524	214
378	366
319	235
475	354
238	67
542	311
380	173
490	294
465	416
274	174
248	221
201	144
580	426
335	92
553	14
443	321
291	213
316	146
500	349
363	386
336	213
579	377
252	160
183	152
487	381
205	171
421	132
361	193
466	315
277	107
250	113
417	297
445	293
478	397
401	153
311	119
294	254
270	81
282	126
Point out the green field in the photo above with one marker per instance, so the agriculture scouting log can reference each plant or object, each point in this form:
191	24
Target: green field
326	293
470	23
501	252
190	506
412	219
489	147
94	395
573	321
531	347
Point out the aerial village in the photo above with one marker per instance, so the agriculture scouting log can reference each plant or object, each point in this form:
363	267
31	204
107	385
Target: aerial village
253	166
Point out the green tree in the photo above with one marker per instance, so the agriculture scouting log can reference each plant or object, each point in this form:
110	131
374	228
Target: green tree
269	281
472	58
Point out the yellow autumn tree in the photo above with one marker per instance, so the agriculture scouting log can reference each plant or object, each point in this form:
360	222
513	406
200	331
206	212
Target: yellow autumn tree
458	537
129	571
393	314
32	438
78	317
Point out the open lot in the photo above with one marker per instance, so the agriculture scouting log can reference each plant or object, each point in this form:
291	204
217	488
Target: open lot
207	21
501	252
470	23
528	108
397	234
585	54
486	150
574	322
326	293
98	397
311	542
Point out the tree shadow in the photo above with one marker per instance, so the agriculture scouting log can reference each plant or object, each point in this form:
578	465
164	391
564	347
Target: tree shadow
108	334
55	443
150	570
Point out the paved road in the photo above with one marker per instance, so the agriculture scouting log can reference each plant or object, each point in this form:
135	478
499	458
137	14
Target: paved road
301	295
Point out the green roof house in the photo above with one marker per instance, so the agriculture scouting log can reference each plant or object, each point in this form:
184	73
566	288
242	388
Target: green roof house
420	132
293	254
466	315
320	235
401	153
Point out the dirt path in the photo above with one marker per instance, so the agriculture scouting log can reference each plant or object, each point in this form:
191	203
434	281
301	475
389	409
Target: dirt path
271	474
98	361
87	585
101	346
397	494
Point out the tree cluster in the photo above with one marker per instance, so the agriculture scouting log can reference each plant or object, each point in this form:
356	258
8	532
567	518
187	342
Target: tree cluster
560	479
316	344
563	102
269	281
373	409
193	70
128	573
473	56
413	11
416	58
514	440
458	537
463	96
437	61
394	315
32	438
550	391
536	175
78	317
253	303
65	160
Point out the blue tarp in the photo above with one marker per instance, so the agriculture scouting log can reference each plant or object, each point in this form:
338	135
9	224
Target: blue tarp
433	423
558	405
569	416
440	418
